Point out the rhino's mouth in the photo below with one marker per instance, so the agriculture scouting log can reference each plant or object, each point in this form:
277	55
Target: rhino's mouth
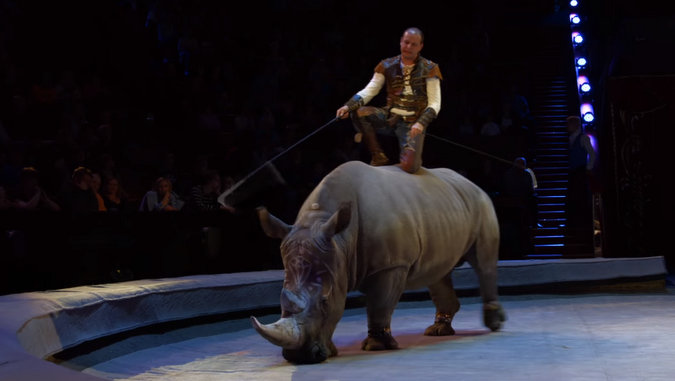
314	353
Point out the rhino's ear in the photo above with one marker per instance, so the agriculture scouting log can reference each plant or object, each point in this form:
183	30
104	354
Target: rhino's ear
272	226
338	221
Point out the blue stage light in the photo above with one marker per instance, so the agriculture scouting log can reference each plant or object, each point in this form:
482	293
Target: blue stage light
581	62
583	83
577	38
574	3
575	19
587	112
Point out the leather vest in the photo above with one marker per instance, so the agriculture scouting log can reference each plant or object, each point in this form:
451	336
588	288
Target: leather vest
395	81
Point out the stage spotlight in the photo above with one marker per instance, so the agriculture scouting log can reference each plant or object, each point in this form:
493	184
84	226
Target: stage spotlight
577	38
575	19
574	3
581	62
587	112
583	84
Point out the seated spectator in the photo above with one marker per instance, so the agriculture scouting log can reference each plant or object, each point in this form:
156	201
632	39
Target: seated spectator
161	198
28	194
114	197
96	188
81	198
204	196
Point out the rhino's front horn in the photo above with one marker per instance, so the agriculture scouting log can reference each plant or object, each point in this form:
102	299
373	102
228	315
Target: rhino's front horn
285	332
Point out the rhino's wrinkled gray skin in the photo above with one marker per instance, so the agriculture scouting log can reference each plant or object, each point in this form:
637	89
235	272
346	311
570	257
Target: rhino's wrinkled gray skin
381	231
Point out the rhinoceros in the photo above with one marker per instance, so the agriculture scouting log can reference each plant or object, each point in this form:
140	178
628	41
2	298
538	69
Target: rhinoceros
381	231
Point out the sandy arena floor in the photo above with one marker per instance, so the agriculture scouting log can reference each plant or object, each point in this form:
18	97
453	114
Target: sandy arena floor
625	336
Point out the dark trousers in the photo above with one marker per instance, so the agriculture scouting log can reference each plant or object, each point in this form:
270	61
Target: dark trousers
375	120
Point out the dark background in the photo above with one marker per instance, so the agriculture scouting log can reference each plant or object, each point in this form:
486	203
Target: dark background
165	86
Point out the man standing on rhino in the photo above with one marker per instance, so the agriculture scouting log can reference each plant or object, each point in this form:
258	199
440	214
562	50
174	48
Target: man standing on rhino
413	101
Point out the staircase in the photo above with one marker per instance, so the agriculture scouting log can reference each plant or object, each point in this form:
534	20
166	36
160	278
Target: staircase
554	97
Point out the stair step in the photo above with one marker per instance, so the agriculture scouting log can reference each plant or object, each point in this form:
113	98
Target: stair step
552	197
552	161
548	191
551	117
550	245
552	148
543	256
544	174
544	183
551	133
556	107
547	237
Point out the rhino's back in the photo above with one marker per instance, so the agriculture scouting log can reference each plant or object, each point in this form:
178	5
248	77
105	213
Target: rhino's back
423	222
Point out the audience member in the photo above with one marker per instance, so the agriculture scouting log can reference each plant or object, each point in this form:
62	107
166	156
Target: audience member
204	196
29	195
520	108
518	185
161	198
114	197
95	111
581	163
96	188
81	198
517	209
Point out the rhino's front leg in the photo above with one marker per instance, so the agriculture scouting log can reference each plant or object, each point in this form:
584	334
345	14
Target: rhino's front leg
445	299
382	294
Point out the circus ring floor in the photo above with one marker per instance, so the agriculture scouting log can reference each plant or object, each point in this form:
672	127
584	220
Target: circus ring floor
582	319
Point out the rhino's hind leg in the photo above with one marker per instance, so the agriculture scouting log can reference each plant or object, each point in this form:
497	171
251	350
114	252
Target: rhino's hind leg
446	302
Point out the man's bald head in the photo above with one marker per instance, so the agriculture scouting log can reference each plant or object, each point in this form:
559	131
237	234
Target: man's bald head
415	31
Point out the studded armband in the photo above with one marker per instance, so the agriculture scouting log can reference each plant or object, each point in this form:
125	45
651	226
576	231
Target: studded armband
354	102
427	116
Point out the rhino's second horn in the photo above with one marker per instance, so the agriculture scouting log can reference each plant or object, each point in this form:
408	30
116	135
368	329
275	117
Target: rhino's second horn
291	302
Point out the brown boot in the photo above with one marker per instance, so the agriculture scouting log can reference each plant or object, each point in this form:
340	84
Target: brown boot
366	133
377	156
378	159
